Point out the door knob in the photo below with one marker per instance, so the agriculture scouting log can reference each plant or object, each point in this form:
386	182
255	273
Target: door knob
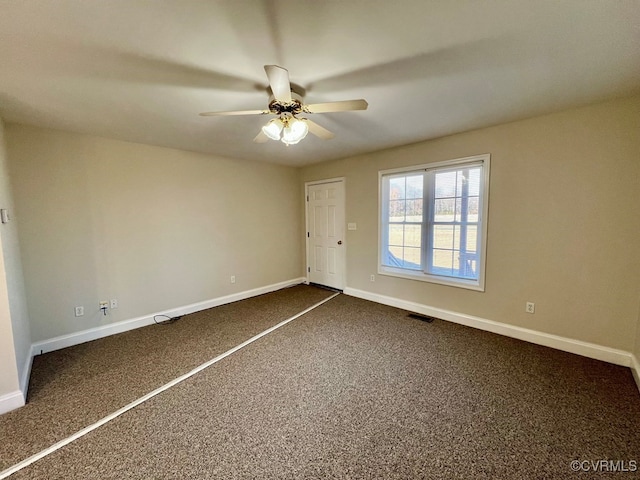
339	242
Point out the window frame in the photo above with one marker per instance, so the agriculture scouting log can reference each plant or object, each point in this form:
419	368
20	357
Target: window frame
428	198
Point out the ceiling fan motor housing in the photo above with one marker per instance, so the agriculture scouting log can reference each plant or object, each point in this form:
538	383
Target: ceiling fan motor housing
294	107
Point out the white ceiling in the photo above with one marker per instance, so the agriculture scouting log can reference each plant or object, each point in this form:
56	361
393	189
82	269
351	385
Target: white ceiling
142	70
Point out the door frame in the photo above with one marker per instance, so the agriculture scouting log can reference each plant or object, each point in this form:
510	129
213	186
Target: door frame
343	261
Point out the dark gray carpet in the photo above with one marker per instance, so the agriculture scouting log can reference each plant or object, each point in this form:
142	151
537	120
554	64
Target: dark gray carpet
359	390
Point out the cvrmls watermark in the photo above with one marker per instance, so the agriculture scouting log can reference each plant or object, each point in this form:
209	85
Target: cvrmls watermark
603	465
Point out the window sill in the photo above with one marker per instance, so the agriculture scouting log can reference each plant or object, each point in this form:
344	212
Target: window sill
424	277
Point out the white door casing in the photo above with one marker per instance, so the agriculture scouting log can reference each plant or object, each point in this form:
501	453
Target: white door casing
325	233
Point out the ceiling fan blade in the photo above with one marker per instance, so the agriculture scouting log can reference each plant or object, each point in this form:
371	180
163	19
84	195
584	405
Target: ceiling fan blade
279	82
238	112
319	131
342	106
261	138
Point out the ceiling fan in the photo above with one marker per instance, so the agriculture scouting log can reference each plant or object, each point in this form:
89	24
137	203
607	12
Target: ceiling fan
287	104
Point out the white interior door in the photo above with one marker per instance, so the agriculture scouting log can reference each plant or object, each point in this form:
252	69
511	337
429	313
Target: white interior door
325	234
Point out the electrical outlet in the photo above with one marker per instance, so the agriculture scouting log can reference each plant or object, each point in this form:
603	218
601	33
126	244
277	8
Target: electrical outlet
530	307
233	279
113	303
372	278
79	311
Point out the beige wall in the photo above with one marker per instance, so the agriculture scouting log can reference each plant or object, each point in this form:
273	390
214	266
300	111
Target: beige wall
563	222
9	380
15	344
635	366
636	351
155	228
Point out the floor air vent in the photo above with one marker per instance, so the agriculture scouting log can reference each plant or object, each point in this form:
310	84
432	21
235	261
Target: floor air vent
424	318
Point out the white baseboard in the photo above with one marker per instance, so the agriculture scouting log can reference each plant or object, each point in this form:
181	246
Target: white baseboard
76	338
635	369
591	350
11	401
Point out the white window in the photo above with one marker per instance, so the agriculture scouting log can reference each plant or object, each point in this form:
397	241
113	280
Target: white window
433	222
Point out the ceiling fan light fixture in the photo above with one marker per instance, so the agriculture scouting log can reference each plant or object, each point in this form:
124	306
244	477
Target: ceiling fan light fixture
294	131
273	129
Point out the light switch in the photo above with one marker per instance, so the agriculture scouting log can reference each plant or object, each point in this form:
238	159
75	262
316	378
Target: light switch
4	214
351	226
